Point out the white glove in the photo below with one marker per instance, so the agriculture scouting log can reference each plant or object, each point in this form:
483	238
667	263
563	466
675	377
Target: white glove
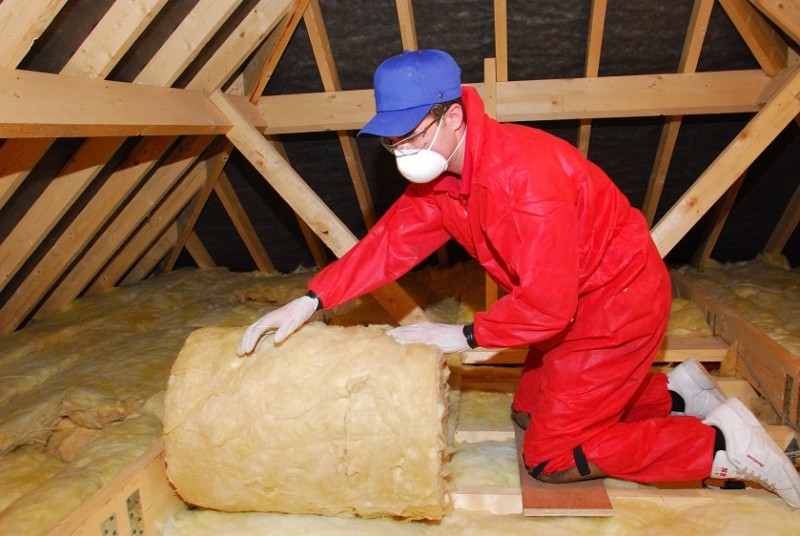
286	319
448	337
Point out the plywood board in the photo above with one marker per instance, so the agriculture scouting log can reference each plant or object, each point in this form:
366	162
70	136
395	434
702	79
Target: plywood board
585	499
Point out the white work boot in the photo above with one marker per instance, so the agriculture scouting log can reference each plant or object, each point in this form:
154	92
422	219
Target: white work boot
750	454
699	390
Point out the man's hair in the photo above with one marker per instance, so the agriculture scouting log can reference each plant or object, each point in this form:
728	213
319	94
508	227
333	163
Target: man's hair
439	109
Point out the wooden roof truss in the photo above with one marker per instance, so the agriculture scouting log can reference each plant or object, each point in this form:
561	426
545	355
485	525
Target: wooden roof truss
162	150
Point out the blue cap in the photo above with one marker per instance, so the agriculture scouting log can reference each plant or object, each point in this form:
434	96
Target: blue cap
407	85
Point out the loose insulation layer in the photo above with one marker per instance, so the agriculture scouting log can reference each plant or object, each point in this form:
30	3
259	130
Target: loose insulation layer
335	420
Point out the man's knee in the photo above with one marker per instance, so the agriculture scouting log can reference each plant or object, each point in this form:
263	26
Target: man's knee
582	470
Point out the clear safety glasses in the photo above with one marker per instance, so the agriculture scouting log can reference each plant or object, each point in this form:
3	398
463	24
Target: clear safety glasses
395	148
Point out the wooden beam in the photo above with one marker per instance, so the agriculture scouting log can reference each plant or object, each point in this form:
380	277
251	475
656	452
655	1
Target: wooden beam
405	19
315	245
538	100
251	82
215	159
91	107
330	81
46	105
784	13
22	22
597	22
768	366
767	46
305	202
227	195
490	67
781	108
786	225
501	39
719	216
113	36
630	96
693	44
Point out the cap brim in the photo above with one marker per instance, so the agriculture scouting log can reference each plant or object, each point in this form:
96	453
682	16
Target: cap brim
395	123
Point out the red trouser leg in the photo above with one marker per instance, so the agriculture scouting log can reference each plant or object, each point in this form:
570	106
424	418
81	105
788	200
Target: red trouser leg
593	388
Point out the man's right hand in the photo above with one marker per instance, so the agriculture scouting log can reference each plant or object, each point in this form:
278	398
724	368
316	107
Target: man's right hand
286	320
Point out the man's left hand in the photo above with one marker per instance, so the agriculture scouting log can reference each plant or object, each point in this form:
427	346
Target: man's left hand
448	337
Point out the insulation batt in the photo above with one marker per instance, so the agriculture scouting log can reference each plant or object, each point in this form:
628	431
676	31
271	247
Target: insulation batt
336	420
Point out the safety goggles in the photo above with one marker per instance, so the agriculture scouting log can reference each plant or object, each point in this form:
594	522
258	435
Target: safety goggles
395	148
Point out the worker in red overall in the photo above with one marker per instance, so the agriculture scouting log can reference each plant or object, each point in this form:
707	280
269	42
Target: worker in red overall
585	289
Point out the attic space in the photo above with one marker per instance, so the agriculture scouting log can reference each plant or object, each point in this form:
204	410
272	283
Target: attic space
531	41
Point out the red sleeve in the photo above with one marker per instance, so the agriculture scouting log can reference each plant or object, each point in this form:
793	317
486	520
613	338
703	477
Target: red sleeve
409	231
539	243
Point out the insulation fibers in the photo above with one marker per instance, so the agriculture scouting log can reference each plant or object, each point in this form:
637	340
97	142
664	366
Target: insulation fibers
335	420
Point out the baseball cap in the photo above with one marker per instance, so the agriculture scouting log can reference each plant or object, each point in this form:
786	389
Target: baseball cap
407	85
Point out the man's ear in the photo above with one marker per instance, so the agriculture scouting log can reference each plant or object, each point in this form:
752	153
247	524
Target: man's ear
455	115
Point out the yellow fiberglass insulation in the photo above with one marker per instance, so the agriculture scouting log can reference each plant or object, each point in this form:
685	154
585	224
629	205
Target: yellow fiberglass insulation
335	420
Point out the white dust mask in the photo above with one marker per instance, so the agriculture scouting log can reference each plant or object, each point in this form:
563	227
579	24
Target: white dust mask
421	166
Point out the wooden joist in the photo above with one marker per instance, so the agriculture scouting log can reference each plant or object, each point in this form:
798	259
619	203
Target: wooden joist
767	365
536	100
674	349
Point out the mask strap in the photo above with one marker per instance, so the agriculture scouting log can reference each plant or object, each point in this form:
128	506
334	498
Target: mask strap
458	145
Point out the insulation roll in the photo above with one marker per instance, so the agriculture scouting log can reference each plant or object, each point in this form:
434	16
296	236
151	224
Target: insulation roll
335	420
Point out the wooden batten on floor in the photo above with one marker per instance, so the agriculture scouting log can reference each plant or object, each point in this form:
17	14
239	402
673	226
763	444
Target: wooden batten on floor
772	369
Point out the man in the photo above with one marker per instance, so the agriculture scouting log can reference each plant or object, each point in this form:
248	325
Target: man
585	286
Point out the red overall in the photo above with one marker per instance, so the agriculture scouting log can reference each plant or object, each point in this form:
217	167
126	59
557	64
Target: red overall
586	290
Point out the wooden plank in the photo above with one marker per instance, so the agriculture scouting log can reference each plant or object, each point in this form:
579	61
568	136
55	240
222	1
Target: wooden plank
786	225
22	22
215	160
32	228
244	226
111	38
678	349
405	19
781	108
250	82
630	96
767	46
784	13
719	216
305	202
321	47
579	499
501	39
240	44
87	163
191	35
693	44
146	475
38	105
597	21
535	100
767	365
674	349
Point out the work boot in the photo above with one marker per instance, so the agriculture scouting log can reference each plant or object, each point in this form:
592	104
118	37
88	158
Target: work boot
698	389
750	454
